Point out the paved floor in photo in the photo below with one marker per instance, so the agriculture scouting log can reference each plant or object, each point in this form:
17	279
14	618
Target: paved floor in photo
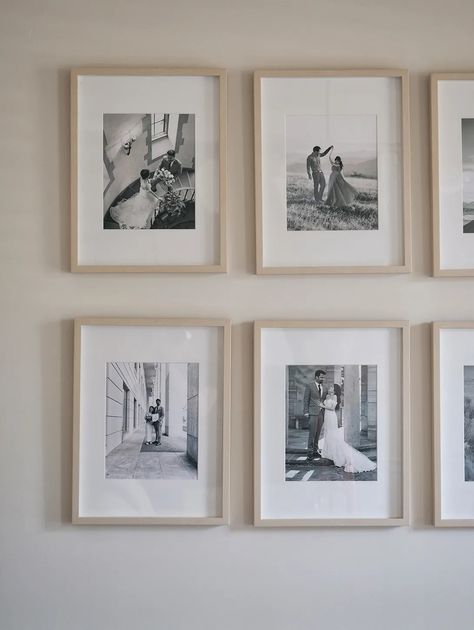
297	469
133	459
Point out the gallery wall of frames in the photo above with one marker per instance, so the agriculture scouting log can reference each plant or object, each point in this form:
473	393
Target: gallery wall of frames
331	398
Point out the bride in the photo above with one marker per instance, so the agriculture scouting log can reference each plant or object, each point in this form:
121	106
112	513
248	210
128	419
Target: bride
335	447
137	211
340	192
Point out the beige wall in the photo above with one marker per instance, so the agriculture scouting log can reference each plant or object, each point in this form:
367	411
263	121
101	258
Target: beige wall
55	576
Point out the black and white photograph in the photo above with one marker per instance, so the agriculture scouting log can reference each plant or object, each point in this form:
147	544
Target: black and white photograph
331	173
331	423
152	419
468	174
149	171
469	422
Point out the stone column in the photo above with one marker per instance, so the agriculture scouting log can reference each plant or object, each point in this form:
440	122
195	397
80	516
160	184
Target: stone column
192	411
333	375
352	405
177	398
165	379
364	420
157	384
291	401
372	403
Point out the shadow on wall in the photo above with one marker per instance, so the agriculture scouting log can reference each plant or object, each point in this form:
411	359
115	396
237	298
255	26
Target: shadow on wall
56	419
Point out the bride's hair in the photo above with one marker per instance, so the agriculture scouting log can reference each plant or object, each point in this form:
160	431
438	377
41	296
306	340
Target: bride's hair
338	392
338	159
145	173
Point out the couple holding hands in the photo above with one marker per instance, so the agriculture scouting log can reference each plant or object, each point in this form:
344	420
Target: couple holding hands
320	406
153	422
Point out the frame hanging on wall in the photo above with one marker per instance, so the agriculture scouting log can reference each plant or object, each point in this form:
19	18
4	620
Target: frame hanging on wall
452	137
453	406
151	421
331	423
148	169
332	171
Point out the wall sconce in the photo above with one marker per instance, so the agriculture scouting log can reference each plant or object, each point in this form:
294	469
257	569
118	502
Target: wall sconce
127	146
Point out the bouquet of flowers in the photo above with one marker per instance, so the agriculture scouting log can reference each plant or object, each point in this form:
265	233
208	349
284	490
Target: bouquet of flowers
170	204
164	177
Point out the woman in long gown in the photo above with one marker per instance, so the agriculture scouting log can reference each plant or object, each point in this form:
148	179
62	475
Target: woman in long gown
335	447
340	192
137	211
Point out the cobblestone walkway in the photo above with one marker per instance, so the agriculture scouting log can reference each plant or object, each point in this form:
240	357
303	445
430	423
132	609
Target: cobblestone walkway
134	460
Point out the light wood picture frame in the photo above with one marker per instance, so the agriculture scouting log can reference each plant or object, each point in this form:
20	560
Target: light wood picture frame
199	477
269	178
196	240
453	448
449	110
267	509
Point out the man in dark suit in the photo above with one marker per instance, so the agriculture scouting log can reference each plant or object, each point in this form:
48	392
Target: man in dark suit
314	170
157	420
171	163
313	409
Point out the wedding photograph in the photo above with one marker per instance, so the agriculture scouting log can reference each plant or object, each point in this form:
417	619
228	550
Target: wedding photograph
151	421
469	423
467	127
149	171
331	173
331	423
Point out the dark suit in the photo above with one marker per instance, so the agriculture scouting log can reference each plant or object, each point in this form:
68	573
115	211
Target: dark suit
313	396
173	165
157	421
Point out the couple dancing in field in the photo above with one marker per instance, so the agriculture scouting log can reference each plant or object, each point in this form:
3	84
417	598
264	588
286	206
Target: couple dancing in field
340	193
321	406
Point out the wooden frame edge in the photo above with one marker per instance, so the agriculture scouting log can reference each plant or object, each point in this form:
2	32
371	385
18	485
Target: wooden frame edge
257	116
226	418
221	266
257	424
150	269
262	73
436	243
436	328
345	270
435	78
226	325
332	522
184	521
406	423
406	264
406	171
404	519
76	420
74	232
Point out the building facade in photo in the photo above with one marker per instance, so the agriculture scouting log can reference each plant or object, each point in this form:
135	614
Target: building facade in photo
131	388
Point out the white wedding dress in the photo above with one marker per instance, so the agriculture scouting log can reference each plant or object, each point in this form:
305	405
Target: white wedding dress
137	211
336	448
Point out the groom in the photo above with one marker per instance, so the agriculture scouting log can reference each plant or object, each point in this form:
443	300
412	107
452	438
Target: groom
313	409
313	168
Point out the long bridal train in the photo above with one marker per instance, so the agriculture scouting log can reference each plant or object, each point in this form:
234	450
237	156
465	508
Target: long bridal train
334	446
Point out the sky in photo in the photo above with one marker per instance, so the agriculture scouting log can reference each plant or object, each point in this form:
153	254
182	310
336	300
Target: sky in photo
354	137
468	159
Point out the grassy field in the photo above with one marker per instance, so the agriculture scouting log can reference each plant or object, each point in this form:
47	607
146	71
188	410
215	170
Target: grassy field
304	215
